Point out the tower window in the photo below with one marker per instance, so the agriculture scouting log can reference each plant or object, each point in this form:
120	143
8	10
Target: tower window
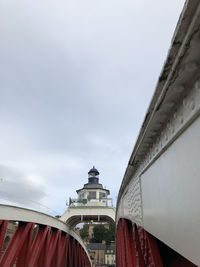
92	195
102	195
93	175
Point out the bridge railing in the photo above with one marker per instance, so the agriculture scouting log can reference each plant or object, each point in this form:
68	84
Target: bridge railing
108	202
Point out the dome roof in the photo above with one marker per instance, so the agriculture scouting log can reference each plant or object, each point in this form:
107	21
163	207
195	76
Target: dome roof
93	170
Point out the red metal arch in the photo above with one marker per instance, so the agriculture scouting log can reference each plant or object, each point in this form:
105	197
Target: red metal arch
135	247
41	246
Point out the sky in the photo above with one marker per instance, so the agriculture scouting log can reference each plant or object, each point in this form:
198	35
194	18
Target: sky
76	79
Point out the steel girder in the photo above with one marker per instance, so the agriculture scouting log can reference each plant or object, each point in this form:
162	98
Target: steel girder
135	247
42	246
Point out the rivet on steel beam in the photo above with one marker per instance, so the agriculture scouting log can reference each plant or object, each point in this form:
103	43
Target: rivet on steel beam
175	115
185	102
191	66
181	118
192	104
163	116
170	104
178	89
153	133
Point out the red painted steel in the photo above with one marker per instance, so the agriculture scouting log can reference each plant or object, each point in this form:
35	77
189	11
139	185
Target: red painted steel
3	226
22	257
37	246
41	246
138	247
66	252
121	247
75	252
61	252
42	260
79	255
131	253
9	256
135	247
71	252
55	236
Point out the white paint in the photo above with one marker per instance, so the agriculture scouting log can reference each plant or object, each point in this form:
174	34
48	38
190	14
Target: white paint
162	179
170	194
13	213
92	212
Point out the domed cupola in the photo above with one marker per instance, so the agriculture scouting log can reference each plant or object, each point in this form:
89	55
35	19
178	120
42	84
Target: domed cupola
93	176
93	190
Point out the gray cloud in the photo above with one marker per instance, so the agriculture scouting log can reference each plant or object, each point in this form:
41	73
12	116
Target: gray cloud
20	188
76	78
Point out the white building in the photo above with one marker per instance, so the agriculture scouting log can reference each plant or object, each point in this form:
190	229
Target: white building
93	193
92	203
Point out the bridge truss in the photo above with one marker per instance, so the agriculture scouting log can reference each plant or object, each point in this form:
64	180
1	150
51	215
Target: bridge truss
158	201
39	240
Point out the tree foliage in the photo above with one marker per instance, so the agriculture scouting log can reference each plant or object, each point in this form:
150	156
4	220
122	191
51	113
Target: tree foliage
100	232
84	233
110	234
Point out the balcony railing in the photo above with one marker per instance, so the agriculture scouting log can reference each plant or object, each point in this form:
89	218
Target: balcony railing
108	202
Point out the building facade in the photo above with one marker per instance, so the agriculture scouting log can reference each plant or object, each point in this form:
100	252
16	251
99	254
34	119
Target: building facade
110	255
93	192
91	205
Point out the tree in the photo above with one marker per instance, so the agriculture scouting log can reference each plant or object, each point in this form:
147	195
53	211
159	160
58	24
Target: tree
110	234
100	232
84	231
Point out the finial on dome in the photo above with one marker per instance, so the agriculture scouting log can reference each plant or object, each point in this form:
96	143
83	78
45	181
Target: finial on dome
94	170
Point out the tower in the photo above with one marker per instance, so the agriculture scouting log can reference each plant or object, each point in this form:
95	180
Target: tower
92	203
93	192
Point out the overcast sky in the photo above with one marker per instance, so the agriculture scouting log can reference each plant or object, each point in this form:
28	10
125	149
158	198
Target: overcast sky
76	78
